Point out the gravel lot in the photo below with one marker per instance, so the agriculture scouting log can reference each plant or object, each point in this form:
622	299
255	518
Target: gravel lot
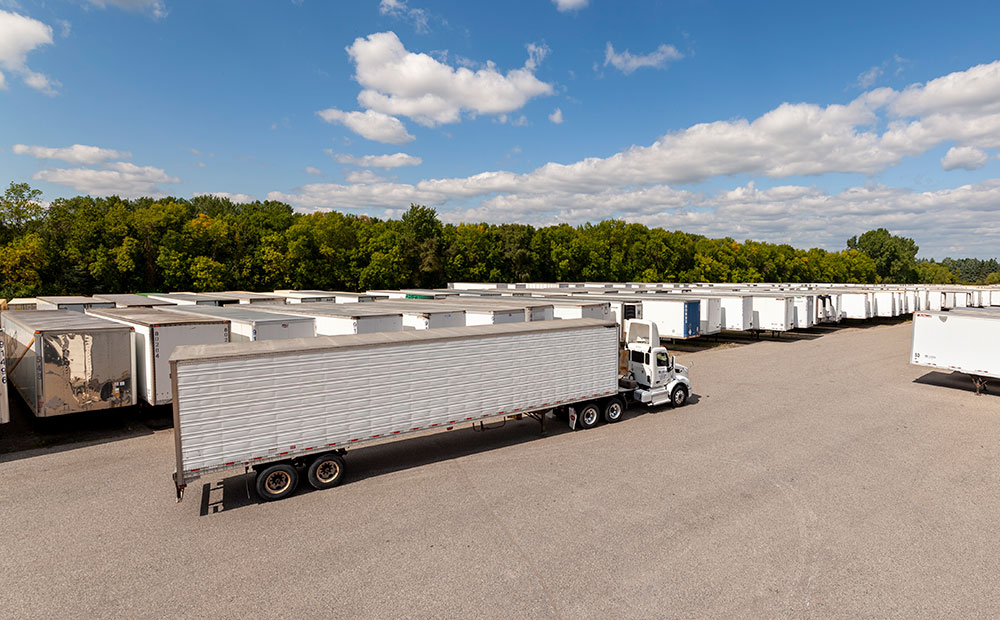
809	477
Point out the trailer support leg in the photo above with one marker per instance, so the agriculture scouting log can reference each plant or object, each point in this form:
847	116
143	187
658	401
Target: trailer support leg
980	383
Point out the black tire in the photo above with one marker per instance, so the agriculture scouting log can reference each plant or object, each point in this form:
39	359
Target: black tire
589	416
277	481
614	410
325	471
679	396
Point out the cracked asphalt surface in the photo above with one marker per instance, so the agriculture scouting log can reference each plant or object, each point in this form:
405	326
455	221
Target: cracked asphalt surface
813	476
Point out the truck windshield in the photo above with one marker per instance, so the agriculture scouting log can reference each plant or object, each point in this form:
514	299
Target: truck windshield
662	359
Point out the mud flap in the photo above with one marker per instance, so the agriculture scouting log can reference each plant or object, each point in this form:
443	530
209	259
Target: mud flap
572	418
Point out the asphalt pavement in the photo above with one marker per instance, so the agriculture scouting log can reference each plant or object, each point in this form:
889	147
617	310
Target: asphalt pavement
818	475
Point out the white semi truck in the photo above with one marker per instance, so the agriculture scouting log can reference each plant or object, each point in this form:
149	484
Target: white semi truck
282	407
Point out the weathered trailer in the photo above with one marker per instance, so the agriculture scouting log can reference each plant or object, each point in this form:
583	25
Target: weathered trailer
963	341
281	406
158	333
62	361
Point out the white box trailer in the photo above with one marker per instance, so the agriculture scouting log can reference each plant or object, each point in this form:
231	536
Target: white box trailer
157	334
63	361
246	297
22	303
185	299
301	297
278	405
76	303
737	312
420	314
885	304
534	309
804	313
344	319
4	400
252	324
961	341
484	315
600	310
675	317
774	313
709	310
856	305
128	300
994	297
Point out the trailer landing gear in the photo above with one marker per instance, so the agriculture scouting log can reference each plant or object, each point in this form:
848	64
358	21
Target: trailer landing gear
980	383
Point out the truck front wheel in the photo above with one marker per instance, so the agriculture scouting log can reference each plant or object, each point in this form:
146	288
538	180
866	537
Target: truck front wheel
326	471
679	396
589	416
277	481
614	409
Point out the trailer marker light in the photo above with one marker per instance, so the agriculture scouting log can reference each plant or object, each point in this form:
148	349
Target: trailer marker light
231	463
291	447
355	440
395	432
331	444
375	436
257	458
282	453
451	421
415	428
310	448
196	469
486	415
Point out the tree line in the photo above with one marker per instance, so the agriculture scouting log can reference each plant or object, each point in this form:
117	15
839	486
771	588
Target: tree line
86	245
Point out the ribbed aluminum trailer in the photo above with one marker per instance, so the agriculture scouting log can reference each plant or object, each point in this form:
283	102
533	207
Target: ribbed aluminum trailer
63	361
157	334
963	341
252	324
186	299
421	314
300	297
281	406
246	297
22	303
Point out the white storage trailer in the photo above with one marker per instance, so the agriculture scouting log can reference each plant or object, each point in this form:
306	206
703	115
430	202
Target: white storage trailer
246	297
300	297
157	334
22	303
961	341
128	300
62	361
419	314
76	303
736	312
282	405
774	313
804	314
344	319
249	325
185	299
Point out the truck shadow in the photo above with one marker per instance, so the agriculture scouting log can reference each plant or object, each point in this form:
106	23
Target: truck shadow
26	436
958	381
237	491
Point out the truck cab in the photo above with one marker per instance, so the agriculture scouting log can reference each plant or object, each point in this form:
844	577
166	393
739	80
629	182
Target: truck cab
658	376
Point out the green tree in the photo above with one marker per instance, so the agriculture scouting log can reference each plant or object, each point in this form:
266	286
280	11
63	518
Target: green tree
929	272
895	256
19	209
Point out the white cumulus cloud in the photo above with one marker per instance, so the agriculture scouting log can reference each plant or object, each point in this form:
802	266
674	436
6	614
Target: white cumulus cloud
117	178
399	9
627	62
233	198
569	5
316	172
370	124
398	82
20	35
556	116
964	157
395	160
75	154
363	176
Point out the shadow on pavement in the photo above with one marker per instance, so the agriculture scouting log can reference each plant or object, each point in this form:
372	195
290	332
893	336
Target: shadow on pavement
26	436
958	381
237	491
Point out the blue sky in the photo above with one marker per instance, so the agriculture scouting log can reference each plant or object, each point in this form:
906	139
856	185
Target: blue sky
789	122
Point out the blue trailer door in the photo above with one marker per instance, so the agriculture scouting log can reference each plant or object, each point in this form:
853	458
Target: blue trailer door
692	318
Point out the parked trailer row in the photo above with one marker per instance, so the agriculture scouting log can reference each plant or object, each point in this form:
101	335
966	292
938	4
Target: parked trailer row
290	406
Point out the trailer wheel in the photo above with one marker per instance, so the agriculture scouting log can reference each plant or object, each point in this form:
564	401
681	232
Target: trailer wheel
614	409
679	396
589	416
277	481
326	471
